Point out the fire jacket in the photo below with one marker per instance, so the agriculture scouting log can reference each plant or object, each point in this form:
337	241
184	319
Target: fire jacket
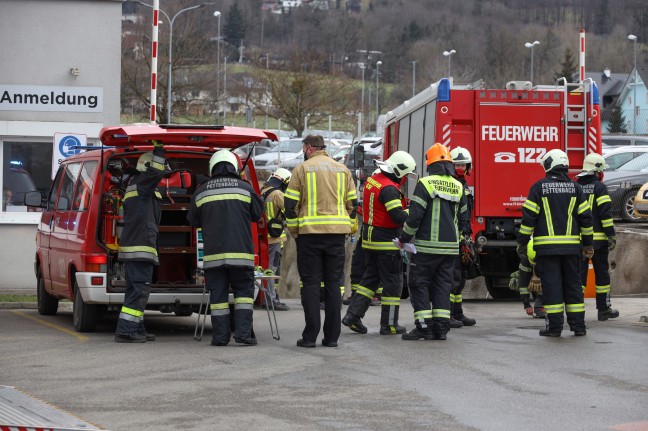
224	207
557	214
321	197
274	206
437	214
600	203
142	210
470	204
383	213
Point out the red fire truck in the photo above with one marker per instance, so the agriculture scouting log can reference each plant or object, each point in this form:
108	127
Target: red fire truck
507	131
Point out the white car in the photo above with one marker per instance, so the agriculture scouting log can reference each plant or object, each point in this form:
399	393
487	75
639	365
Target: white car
622	155
273	159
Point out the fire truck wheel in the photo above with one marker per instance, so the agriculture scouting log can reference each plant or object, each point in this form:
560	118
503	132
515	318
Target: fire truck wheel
627	206
84	315
47	304
498	288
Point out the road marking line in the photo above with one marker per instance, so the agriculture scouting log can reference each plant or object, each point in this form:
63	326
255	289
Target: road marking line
81	338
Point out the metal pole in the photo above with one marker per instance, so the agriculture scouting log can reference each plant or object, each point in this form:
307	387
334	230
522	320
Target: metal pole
217	14
378	63
413	78
225	90
532	49
154	49
362	67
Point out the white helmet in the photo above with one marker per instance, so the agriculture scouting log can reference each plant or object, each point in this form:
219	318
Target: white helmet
223	156
376	171
283	174
461	156
594	163
553	159
400	164
144	161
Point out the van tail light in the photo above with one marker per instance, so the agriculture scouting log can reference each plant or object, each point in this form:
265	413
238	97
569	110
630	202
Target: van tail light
96	263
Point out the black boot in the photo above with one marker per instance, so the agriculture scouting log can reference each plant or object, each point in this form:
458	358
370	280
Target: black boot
607	313
393	329
418	334
354	323
454	323
548	333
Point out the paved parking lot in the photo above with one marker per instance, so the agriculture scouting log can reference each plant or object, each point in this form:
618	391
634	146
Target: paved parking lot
497	375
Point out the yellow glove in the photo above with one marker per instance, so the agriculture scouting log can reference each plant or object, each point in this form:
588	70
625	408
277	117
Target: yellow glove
534	284
158	144
354	226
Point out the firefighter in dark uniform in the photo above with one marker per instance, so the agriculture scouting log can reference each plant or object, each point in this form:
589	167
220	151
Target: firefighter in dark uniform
224	207
600	203
558	216
437	214
383	217
321	206
138	244
462	161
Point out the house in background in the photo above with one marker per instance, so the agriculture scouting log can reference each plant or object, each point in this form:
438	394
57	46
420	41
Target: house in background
633	102
610	86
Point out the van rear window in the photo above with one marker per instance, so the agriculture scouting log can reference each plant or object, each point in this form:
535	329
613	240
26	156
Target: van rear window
84	186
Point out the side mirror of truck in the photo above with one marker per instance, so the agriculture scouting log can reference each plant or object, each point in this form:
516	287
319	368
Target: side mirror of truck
34	199
358	156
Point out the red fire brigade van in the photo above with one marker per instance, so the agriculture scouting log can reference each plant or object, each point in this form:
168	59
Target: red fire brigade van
507	131
78	236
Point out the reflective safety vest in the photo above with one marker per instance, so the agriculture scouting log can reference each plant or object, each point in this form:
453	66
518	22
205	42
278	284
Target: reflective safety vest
375	213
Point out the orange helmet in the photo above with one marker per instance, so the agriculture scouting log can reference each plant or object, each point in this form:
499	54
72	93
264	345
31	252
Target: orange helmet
437	153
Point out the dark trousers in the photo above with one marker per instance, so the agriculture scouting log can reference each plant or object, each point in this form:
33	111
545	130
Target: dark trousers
384	268
138	287
458	283
218	281
601	276
358	261
561	291
320	258
430	279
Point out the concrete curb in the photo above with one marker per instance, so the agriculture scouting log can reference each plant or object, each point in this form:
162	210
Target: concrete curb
17	305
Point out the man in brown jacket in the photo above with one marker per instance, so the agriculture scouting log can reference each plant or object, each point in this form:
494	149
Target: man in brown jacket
320	206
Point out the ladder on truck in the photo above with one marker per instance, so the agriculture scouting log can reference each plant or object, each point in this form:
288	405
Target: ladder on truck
578	116
19	411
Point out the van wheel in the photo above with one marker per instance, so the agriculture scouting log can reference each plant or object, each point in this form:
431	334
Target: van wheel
84	315
47	304
627	207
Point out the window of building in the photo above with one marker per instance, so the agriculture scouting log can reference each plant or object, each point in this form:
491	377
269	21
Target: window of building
26	167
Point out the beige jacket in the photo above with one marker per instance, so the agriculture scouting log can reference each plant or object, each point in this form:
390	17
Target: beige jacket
321	197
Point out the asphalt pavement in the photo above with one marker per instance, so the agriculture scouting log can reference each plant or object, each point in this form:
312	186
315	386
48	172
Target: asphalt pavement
497	375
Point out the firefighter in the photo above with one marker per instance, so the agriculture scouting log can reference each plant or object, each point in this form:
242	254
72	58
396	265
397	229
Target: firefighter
273	196
557	214
224	207
383	217
437	214
138	243
462	162
321	206
600	203
528	283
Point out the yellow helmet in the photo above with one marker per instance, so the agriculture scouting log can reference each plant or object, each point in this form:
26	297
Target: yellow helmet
144	161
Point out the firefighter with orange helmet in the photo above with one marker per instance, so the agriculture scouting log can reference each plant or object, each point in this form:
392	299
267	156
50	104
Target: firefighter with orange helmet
604	235
557	214
437	214
383	216
462	161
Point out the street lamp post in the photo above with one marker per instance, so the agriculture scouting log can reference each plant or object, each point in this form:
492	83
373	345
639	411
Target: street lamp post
413	78
225	90
633	38
217	14
532	46
449	55
362	67
378	63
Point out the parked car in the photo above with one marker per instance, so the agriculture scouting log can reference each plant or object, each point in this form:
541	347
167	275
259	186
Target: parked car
341	154
77	239
20	182
275	157
622	155
610	142
623	184
641	203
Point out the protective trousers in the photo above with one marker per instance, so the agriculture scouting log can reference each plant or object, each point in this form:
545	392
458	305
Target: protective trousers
459	282
561	291
274	258
320	258
430	279
218	282
384	268
138	288
601	276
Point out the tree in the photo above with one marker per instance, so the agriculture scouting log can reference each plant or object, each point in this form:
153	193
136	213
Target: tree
235	25
292	95
569	68
617	123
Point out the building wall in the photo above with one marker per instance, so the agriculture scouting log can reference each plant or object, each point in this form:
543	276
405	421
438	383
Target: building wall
42	42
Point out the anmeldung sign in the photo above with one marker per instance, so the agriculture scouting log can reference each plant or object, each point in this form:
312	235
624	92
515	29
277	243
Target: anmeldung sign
44	98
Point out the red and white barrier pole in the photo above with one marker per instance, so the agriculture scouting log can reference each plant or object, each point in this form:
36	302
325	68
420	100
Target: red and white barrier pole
154	54
581	70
